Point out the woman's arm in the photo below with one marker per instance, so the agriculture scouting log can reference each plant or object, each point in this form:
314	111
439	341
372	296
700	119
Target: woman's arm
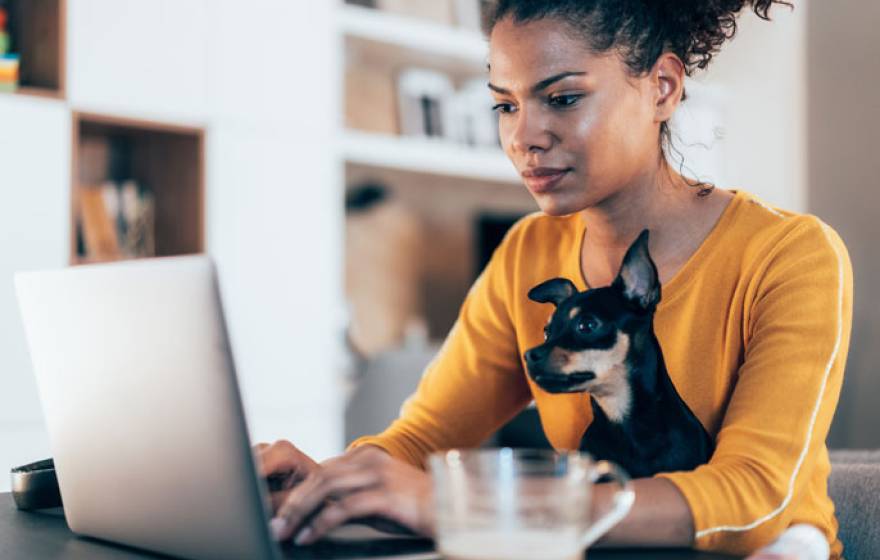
770	451
475	384
660	516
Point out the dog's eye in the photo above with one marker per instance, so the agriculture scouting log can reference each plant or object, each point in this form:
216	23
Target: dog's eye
588	325
546	332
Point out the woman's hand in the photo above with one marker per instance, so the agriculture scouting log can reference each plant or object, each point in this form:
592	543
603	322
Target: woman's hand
365	482
283	466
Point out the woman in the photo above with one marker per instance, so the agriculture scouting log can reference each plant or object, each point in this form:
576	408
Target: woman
754	319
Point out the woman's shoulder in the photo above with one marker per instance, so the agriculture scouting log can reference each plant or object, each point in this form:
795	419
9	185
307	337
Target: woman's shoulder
763	232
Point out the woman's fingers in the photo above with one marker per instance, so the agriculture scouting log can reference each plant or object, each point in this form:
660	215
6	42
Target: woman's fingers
336	482
283	457
334	514
329	483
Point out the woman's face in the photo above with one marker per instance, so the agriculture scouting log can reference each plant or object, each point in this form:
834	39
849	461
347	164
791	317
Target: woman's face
578	113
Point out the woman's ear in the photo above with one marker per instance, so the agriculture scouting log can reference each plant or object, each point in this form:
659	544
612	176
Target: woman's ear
668	79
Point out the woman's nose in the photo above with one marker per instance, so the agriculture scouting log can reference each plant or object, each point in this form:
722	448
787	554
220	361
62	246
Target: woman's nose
530	134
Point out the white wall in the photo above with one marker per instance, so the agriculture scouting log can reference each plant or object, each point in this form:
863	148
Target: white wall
263	79
759	80
34	233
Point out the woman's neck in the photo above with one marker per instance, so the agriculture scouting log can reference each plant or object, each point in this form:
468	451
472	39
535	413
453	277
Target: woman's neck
664	203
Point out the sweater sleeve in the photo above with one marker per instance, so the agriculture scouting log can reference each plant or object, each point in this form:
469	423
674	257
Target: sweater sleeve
474	385
773	433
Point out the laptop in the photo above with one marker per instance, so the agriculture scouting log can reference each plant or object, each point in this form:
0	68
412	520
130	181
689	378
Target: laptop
145	420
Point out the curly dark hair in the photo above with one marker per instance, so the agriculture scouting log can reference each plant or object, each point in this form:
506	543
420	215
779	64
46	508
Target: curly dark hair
641	30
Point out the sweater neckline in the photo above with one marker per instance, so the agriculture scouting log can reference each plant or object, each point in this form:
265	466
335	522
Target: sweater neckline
681	278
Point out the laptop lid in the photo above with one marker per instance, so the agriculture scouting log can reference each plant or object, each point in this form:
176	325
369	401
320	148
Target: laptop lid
145	420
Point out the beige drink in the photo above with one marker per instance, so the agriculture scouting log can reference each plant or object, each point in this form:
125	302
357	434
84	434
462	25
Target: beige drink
520	504
528	544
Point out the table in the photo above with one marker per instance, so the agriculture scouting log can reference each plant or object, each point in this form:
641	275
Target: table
44	535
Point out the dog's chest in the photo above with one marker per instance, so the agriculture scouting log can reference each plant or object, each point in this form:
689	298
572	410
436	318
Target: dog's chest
647	445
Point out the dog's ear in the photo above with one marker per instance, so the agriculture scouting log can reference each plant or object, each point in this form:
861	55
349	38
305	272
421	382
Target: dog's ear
553	291
638	280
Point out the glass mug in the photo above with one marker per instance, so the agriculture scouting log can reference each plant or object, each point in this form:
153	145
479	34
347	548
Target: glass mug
506	504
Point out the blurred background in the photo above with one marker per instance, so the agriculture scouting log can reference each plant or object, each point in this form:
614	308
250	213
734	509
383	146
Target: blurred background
340	162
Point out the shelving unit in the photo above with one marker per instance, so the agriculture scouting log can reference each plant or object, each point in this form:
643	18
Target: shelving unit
167	159
429	156
38	36
403	39
228	139
450	187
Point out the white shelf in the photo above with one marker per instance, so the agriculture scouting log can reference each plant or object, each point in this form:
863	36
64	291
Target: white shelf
412	34
425	155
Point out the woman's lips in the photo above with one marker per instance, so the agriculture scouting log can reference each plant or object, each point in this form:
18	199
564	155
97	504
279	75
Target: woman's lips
543	180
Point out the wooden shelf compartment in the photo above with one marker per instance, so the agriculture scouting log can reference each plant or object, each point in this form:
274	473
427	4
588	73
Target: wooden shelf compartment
168	160
37	29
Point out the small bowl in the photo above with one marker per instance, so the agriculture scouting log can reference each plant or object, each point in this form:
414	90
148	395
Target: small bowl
35	486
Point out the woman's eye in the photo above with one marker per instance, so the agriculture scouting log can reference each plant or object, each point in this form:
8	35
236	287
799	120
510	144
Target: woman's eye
502	108
565	100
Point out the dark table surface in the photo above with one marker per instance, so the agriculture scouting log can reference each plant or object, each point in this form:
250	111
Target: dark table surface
44	535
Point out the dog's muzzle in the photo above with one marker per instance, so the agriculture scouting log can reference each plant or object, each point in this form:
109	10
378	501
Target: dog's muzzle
562	382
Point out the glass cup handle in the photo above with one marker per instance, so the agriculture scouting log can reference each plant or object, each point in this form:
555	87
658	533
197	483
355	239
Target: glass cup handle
622	503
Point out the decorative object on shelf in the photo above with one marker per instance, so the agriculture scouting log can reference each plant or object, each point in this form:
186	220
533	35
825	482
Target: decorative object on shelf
5	38
117	221
98	228
383	269
9	66
439	11
369	98
469	118
116	214
422	95
9	62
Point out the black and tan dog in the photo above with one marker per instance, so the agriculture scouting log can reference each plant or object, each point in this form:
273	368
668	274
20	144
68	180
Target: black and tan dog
602	341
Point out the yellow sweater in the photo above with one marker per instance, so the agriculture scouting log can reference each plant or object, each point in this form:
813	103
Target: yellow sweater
754	330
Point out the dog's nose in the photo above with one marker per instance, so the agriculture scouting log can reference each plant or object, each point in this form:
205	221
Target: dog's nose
536	354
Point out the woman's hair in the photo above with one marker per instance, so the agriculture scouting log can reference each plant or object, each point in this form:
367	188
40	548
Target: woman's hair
640	30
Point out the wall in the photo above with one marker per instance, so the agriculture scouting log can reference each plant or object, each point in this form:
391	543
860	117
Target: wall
761	78
263	80
844	133
34	233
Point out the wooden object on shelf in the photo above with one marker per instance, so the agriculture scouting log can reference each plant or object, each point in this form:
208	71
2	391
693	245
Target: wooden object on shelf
384	246
167	160
98	227
38	37
370	99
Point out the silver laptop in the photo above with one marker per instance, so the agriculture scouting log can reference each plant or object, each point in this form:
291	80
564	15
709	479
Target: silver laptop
145	421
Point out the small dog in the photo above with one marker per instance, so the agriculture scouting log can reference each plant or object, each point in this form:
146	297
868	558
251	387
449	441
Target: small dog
602	341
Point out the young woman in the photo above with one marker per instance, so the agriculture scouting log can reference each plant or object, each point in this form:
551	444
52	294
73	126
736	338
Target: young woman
754	320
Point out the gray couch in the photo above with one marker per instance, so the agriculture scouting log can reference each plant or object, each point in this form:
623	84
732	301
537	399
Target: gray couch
854	486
